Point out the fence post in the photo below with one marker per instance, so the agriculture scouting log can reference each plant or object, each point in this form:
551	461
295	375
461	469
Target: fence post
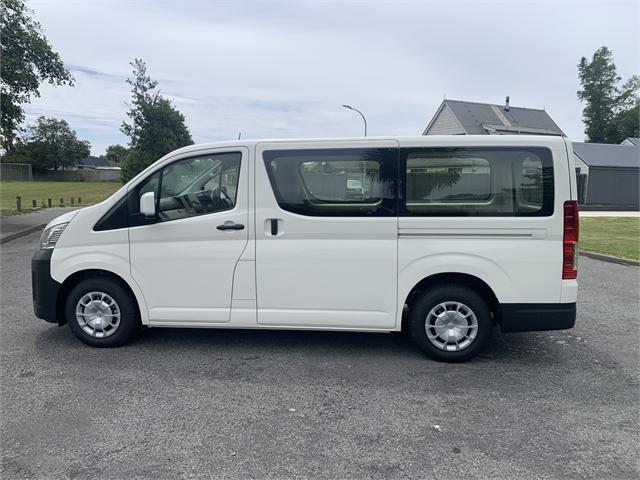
71	201
19	203
34	203
62	202
79	200
49	202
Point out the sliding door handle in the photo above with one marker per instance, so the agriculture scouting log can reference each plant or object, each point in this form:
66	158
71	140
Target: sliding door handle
230	226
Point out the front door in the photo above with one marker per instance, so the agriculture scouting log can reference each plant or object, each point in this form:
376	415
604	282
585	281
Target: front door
184	260
326	235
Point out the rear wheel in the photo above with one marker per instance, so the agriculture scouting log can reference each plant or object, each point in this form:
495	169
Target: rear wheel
450	323
101	313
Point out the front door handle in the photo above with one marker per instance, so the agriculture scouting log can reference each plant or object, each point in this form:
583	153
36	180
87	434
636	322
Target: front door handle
230	226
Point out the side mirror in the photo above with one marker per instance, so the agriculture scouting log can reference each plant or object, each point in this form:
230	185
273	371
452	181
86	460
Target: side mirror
148	204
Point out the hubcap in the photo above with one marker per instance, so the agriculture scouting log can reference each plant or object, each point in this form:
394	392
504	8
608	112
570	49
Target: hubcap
98	314
451	326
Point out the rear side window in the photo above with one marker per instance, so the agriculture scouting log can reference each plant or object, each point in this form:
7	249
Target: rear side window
334	182
477	182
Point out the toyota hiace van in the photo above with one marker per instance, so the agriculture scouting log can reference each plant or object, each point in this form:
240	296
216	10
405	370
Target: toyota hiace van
443	237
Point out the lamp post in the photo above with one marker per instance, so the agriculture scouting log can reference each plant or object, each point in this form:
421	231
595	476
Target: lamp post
363	119
364	170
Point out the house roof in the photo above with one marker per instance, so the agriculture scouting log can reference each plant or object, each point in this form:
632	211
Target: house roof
634	141
484	118
94	162
608	155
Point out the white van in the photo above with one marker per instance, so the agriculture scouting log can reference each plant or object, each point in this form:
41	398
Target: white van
440	236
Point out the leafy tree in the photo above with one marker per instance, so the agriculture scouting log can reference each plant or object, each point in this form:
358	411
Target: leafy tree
115	153
156	127
628	123
607	103
27	61
50	144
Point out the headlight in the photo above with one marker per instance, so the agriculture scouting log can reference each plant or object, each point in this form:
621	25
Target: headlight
51	235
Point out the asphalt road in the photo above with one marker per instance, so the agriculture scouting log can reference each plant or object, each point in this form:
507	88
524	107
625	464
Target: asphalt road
261	404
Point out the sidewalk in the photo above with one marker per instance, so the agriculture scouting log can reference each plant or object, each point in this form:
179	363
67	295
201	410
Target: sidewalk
17	225
609	214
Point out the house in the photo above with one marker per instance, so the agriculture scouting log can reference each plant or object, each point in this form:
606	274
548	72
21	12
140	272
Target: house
455	117
92	163
608	175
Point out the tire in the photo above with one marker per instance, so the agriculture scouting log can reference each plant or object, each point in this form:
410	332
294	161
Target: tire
468	326
110	314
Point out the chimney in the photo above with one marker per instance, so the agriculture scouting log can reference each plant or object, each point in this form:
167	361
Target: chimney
506	104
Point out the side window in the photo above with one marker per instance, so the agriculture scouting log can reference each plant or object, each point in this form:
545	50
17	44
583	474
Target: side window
447	180
199	185
151	184
334	182
531	189
480	182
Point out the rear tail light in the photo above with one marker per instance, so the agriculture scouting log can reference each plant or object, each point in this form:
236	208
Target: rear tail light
570	241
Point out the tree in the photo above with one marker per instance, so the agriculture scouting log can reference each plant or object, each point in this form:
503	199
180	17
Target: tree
50	144
156	127
607	103
115	153
628	123
27	61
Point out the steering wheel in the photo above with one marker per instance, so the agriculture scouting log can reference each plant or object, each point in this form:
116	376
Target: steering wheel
219	194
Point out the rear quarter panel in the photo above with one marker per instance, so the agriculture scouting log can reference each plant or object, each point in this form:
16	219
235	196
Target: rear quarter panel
520	258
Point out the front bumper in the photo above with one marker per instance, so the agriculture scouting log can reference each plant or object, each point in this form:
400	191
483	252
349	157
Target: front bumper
44	288
534	317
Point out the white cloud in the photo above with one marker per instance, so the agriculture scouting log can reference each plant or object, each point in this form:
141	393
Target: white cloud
282	69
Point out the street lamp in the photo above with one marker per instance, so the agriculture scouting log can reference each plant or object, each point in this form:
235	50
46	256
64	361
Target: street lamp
363	119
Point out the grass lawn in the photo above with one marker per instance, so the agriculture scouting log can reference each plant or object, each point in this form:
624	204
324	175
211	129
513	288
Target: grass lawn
89	192
614	236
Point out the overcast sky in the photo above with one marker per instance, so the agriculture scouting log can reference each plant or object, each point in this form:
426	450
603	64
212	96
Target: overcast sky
276	69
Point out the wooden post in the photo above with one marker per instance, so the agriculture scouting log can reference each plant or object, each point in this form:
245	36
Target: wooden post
34	203
71	201
49	202
62	202
79	200
19	203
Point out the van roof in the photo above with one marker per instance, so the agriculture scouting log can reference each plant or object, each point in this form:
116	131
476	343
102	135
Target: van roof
445	140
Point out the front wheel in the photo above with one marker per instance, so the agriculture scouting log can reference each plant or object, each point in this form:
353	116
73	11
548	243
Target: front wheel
101	313
450	323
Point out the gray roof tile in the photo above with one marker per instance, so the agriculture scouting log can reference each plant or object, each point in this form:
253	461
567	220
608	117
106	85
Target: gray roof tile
478	118
608	155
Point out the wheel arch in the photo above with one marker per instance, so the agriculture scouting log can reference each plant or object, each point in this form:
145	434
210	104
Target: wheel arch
470	281
74	279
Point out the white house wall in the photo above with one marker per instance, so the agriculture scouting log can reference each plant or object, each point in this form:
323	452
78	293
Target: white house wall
445	124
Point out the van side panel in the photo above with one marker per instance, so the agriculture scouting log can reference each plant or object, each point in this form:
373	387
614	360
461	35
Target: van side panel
519	257
323	271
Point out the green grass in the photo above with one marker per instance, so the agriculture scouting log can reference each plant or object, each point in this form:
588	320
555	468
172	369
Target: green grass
89	192
610	235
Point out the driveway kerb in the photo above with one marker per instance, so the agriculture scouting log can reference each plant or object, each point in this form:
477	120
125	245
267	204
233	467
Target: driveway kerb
12	236
610	258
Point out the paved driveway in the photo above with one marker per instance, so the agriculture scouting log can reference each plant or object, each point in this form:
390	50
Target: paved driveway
328	405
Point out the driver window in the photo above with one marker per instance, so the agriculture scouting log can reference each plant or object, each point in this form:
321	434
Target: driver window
199	185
